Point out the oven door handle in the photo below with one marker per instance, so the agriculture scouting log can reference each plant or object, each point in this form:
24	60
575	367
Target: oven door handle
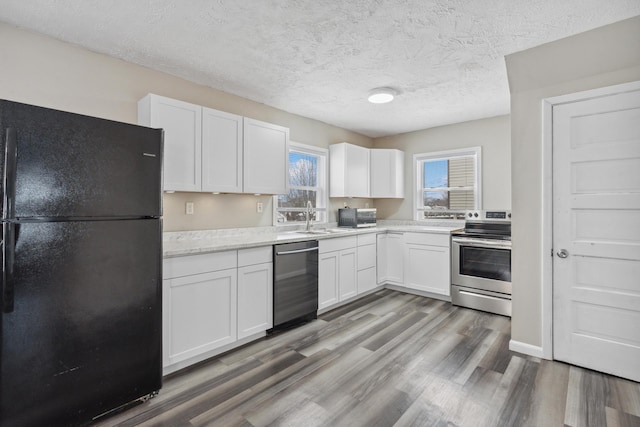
498	244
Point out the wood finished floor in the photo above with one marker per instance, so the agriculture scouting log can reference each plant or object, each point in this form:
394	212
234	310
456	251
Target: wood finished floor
389	359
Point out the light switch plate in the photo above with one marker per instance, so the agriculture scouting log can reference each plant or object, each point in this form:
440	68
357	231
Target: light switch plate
259	207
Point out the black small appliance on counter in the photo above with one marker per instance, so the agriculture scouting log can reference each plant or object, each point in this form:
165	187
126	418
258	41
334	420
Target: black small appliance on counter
357	217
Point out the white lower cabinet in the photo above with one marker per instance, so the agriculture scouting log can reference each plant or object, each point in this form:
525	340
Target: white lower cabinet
328	279
427	262
255	291
347	274
366	263
337	270
199	314
391	258
213	301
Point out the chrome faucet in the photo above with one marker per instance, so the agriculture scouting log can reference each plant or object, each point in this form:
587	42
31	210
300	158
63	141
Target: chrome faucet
308	215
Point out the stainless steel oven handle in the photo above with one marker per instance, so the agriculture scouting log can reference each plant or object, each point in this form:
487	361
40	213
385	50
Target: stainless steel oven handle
499	244
473	294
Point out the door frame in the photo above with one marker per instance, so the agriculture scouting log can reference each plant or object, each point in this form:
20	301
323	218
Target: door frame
547	199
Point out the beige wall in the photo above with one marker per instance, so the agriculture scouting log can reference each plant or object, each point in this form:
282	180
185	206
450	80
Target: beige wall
43	71
602	57
492	134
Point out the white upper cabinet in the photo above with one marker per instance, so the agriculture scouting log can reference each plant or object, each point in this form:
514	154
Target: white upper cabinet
348	170
182	124
362	172
266	157
207	150
221	151
387	173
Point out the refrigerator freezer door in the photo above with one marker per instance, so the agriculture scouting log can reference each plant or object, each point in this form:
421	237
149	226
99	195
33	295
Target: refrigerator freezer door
69	165
85	333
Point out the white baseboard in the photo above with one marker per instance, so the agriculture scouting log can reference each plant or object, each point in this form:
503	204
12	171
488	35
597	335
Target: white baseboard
528	349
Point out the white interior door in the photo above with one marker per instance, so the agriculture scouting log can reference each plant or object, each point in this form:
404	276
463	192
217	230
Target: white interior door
596	233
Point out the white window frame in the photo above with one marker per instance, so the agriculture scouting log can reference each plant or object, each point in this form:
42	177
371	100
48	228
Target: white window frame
418	179
322	179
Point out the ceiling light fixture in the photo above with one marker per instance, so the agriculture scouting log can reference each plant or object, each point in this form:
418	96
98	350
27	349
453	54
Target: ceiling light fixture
382	95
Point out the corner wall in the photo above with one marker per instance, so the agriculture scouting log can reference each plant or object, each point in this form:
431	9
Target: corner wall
601	57
492	134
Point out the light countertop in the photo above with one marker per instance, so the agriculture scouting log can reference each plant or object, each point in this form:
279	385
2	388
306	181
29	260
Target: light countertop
205	241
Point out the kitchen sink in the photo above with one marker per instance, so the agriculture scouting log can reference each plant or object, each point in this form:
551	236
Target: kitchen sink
315	232
328	230
308	232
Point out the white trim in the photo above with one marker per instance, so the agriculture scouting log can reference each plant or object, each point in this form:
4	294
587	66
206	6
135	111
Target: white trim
546	350
313	150
528	349
308	148
546	244
458	152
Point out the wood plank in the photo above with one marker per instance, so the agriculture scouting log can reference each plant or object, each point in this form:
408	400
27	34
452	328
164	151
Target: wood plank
390	359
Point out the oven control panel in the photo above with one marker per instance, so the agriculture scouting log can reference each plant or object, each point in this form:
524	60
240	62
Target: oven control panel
488	216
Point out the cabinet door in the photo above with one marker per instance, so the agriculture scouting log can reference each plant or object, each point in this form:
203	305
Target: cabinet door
347	276
348	170
366	268
366	280
382	257
255	299
182	124
266	158
427	268
395	255
221	151
387	173
199	314
328	279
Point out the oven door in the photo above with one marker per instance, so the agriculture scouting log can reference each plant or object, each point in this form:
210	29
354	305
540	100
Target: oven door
481	264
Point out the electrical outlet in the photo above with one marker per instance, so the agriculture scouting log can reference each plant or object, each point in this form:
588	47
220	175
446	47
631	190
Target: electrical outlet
189	208
259	207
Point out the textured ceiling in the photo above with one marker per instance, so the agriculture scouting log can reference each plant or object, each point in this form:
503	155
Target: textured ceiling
320	58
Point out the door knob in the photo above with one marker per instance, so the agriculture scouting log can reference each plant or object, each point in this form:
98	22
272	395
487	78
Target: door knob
562	253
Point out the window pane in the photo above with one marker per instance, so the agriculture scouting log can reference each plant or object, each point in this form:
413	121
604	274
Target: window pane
436	199
454	200
436	173
303	169
299	216
298	199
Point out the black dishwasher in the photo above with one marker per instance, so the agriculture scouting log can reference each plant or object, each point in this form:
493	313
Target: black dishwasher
295	283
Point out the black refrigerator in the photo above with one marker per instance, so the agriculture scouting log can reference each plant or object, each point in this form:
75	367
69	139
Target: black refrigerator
82	260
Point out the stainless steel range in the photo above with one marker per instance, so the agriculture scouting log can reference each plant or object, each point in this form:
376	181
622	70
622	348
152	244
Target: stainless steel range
481	262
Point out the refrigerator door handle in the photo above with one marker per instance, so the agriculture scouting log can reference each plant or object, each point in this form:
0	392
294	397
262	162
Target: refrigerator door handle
8	211
9	253
9	178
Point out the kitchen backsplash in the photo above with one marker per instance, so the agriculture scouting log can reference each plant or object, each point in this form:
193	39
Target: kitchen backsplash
222	211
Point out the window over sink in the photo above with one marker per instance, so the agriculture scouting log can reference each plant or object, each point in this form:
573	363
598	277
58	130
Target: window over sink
308	169
448	183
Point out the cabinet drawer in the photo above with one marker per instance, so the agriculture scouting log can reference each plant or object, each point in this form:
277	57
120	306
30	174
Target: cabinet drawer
432	239
337	244
201	263
366	256
366	239
254	256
